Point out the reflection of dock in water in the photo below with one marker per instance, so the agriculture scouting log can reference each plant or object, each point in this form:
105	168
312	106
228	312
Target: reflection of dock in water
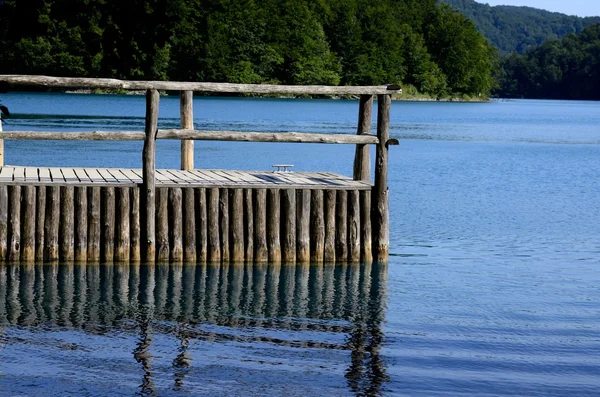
293	306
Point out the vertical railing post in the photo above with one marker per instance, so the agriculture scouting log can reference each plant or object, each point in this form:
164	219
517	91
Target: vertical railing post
187	123
1	144
380	211
148	198
362	160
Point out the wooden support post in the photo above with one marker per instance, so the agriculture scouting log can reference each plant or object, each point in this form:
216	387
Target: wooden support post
29	214
14	253
249	225
162	224
39	223
289	225
362	161
303	228
354	226
214	241
3	222
380	211
260	226
123	225
317	226
67	223
187	123
189	225
134	222
148	201
201	225
94	228
341	226
107	253
176	224
366	233
51	223
224	224
81	223
274	225
237	225
329	250
1	144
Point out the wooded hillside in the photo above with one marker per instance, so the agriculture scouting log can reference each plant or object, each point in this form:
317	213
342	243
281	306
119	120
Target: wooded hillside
350	42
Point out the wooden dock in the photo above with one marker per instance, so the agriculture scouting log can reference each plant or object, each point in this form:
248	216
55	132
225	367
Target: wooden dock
194	215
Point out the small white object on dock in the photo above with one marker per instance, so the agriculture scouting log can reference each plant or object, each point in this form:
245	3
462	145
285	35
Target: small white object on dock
285	167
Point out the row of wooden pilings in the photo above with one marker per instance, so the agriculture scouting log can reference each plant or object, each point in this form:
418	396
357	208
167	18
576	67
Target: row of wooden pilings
91	224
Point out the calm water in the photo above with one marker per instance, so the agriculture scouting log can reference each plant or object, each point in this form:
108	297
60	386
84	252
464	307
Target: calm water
493	286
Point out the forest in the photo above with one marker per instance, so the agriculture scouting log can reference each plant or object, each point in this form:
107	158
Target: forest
559	69
427	47
519	29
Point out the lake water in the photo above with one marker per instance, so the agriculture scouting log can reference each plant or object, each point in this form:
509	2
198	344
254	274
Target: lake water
492	287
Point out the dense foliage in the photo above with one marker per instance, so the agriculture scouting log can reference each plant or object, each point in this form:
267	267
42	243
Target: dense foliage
565	69
519	29
412	42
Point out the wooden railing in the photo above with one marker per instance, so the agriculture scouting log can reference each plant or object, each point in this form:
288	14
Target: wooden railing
363	138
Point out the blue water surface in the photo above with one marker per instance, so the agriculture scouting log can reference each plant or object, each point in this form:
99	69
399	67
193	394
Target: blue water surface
492	287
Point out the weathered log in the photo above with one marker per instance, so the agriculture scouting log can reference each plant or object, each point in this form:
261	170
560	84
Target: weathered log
81	223
134	222
214	240
201	224
187	123
51	224
162	224
274	224
107	253
224	224
341	226
14	248
29	219
261	251
94	225
366	233
237	225
176	224
189	225
67	223
80	82
317	226
40	219
249	225
288	209
354	226
329	250
3	222
380	213
303	226
148	200
123	226
362	160
199	135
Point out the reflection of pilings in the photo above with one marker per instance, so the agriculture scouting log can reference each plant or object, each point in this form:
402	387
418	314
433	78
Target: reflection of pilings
26	293
234	294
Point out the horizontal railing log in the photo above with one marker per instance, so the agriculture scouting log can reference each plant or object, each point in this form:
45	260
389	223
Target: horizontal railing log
337	227
91	83
197	135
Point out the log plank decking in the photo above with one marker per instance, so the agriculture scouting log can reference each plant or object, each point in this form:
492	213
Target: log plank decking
92	176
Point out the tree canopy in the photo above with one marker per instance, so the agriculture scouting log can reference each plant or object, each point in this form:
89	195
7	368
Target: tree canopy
350	42
559	69
519	29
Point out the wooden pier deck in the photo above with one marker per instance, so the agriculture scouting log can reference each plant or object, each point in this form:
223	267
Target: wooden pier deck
132	177
69	214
